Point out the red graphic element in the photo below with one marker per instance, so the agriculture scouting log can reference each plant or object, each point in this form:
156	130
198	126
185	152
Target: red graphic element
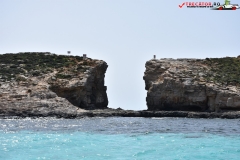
180	6
234	8
198	4
220	8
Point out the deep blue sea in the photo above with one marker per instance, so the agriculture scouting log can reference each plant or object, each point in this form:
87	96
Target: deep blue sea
120	139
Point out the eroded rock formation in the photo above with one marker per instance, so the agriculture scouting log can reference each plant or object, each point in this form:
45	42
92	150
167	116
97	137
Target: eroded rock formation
193	84
86	90
45	84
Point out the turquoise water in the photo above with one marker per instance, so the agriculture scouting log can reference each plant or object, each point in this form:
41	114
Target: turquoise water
119	138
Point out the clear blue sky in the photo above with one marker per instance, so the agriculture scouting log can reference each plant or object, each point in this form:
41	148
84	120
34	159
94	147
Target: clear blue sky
124	33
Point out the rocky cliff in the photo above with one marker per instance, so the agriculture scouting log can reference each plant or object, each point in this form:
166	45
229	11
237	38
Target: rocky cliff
49	84
210	84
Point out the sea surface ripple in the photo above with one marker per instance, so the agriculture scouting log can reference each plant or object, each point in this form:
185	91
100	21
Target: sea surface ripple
119	138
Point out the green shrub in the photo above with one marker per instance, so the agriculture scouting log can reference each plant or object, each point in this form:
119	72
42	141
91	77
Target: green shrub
227	69
35	61
20	78
36	73
63	76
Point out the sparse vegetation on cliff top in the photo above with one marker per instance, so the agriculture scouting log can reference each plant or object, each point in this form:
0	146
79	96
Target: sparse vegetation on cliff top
226	70
34	63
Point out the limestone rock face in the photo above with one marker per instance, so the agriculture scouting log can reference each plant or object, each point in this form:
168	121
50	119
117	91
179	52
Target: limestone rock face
58	85
188	84
86	91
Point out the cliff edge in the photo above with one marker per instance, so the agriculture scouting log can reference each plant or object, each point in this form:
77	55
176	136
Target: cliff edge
211	84
45	84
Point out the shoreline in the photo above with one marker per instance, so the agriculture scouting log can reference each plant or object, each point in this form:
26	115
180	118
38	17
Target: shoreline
128	113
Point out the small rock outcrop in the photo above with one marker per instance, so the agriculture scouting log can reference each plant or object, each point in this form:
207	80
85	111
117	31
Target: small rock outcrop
47	84
210	84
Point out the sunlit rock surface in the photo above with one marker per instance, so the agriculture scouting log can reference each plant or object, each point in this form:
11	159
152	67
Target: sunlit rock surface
193	84
48	84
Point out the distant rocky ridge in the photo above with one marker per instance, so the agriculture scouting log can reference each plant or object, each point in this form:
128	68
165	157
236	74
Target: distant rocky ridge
45	84
210	84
